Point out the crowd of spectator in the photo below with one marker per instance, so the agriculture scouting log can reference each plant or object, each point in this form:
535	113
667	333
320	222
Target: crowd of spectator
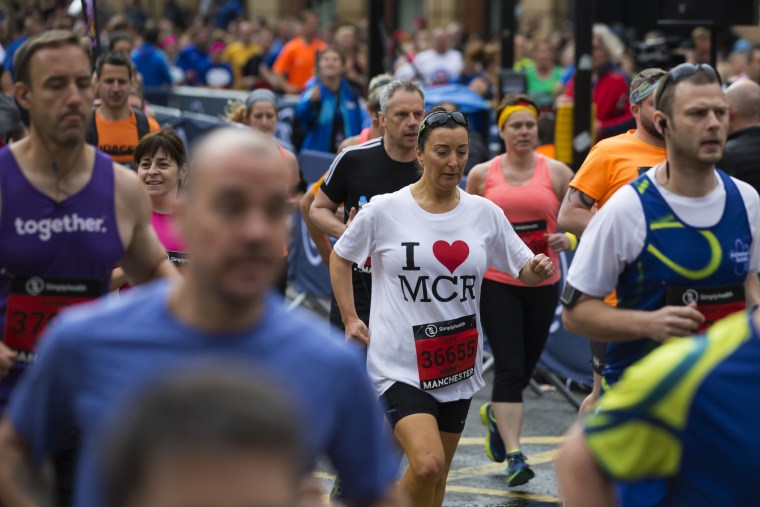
221	46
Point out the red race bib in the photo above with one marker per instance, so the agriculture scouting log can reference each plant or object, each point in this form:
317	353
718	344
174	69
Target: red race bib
714	303
33	302
532	234
446	351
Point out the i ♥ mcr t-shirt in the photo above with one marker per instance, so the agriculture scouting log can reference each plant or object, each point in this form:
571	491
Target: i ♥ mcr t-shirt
426	275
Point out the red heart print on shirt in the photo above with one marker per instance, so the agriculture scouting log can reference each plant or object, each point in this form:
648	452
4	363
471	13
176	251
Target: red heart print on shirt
451	255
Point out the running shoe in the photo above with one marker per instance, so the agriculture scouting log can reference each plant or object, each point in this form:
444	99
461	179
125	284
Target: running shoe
518	471
494	444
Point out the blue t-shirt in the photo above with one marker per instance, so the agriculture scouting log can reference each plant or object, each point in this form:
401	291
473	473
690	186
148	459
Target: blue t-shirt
193	61
97	355
151	62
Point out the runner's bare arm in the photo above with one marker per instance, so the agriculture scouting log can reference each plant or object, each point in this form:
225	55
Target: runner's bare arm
476	179
592	317
752	290
118	278
323	214
22	482
582	482
295	179
575	212
320	239
561	176
144	258
342	284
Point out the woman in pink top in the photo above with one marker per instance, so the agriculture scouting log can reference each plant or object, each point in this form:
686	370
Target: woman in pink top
516	319
161	161
162	166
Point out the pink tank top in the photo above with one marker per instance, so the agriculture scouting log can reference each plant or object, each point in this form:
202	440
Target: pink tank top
167	234
532	210
364	135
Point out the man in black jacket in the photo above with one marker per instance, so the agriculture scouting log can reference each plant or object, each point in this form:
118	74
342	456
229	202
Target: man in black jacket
741	157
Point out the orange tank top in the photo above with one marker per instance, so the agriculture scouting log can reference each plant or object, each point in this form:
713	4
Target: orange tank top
531	208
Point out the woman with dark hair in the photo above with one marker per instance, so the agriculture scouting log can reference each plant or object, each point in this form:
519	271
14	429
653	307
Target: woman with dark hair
430	244
329	109
161	161
528	188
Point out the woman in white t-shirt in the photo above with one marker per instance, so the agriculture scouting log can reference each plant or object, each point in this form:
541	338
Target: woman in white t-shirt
430	245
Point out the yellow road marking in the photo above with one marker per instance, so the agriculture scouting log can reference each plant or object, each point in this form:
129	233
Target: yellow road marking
523	440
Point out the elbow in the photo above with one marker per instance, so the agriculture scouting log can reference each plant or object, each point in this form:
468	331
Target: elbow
569	321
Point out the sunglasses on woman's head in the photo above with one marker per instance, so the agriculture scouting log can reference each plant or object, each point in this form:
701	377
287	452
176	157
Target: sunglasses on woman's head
442	117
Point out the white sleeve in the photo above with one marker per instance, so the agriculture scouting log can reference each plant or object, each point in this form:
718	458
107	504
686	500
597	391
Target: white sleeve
614	238
506	251
356	243
752	204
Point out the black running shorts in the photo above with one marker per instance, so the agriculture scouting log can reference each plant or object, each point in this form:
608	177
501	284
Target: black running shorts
401	400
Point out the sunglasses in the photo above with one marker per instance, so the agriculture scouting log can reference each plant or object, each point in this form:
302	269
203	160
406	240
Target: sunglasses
442	117
680	72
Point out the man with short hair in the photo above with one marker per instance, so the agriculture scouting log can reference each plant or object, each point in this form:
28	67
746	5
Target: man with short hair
151	62
296	62
435	66
742	153
205	436
238	52
233	217
611	164
70	214
193	58
754	63
380	166
116	127
680	243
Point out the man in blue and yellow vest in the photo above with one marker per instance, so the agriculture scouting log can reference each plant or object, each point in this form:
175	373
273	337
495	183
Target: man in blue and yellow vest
679	244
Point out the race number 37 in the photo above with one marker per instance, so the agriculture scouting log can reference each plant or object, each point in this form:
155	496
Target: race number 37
34	301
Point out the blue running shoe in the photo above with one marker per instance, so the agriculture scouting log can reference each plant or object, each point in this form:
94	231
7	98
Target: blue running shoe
518	471
494	444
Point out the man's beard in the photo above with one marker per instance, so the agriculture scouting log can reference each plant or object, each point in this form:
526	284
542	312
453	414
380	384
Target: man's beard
648	125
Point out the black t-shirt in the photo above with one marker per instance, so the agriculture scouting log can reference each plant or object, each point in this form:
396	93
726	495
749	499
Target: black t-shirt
366	170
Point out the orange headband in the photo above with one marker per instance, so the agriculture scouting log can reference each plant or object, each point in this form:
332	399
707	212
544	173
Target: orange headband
520	106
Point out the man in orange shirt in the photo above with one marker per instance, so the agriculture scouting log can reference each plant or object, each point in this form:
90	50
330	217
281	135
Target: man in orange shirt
610	164
296	63
116	128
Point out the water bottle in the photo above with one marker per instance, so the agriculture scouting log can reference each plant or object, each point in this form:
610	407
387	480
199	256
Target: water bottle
362	201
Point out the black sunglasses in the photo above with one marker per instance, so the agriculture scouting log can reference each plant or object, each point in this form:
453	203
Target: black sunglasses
442	117
685	70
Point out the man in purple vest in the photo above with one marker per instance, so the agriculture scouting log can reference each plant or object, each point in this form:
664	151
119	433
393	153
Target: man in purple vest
68	214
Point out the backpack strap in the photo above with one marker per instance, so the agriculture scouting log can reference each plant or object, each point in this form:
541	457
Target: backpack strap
143	127
91	137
